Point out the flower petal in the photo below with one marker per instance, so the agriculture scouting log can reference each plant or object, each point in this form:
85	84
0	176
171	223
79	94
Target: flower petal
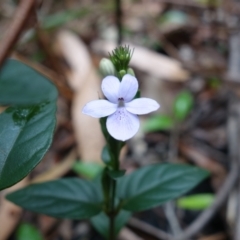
128	88
122	125
110	88
99	108
142	106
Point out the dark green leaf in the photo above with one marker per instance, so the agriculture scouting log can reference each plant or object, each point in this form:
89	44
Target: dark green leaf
26	134
196	202
159	122
106	155
72	198
101	222
183	105
138	94
156	184
21	85
28	232
116	174
88	170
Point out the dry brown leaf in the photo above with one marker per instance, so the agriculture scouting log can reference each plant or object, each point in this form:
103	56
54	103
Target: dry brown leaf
2	109
57	171
217	236
155	64
126	234
201	160
86	84
46	224
9	213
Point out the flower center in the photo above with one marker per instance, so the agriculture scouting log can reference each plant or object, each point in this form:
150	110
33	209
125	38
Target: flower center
120	102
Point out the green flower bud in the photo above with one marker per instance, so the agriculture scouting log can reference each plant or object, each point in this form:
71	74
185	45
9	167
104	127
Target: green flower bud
106	67
131	72
121	57
122	73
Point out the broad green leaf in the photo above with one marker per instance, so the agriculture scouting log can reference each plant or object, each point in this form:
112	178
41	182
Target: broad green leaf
89	170
27	231
25	136
156	184
72	198
159	122
196	202
101	222
183	105
21	85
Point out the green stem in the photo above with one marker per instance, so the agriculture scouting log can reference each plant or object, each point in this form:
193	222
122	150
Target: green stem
112	211
108	184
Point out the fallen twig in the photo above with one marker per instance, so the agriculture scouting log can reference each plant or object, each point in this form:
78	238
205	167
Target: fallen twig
19	21
222	195
171	216
234	136
228	185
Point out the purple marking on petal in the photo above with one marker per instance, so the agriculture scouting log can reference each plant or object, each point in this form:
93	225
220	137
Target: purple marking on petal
99	108
128	88
110	88
122	125
142	106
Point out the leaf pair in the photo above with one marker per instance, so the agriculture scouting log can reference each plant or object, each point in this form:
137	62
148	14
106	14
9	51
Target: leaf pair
26	128
79	199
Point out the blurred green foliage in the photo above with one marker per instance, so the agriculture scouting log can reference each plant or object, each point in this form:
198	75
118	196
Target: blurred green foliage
89	170
27	231
196	202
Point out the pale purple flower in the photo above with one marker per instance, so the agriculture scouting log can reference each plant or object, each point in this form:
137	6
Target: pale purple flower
121	108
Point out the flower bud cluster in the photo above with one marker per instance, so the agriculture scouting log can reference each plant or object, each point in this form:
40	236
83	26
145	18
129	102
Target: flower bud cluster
120	57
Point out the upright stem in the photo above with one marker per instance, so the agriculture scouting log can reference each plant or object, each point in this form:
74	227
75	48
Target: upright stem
112	211
112	189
